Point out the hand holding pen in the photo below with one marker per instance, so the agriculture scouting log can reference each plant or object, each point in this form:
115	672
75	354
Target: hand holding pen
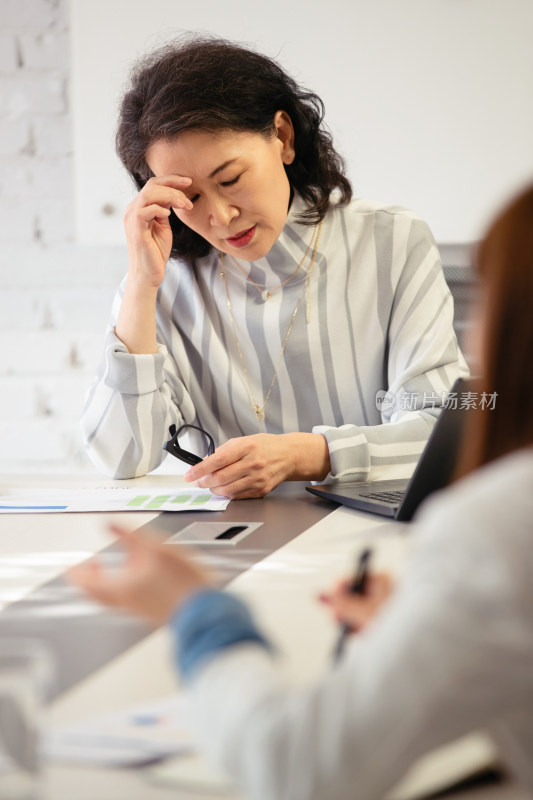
357	586
356	602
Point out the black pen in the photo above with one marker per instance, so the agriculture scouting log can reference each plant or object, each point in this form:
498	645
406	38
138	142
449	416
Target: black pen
357	586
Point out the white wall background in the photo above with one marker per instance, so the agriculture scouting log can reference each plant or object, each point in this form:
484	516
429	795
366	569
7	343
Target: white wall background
55	290
431	101
54	294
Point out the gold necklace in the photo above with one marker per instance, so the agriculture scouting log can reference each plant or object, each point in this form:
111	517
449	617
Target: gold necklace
266	294
260	410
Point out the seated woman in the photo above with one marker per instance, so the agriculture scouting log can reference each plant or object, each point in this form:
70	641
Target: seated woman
262	303
451	650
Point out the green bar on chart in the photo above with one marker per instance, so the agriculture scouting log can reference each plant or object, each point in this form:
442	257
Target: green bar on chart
139	500
157	502
181	498
201	500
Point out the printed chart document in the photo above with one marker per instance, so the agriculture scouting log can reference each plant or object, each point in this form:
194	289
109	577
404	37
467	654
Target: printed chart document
110	498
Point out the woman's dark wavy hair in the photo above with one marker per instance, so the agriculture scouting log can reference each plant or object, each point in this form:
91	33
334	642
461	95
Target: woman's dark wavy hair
211	84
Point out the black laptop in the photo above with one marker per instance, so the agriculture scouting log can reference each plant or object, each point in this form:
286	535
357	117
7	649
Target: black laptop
399	499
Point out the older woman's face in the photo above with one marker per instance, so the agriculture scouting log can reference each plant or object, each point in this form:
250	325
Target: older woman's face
239	190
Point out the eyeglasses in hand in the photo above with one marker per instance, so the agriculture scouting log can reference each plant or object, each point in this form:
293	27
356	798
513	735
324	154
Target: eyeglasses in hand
173	446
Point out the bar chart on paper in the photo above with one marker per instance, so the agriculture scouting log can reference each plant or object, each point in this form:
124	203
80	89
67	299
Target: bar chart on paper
110	498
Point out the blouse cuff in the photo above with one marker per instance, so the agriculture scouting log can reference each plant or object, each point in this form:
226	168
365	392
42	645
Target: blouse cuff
348	452
209	621
134	373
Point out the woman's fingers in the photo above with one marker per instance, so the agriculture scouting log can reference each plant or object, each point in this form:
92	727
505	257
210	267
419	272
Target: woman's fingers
155	206
164	196
229	453
249	466
151	582
134	542
95	582
153	212
175	181
149	235
157	197
226	466
242	489
358	609
224	476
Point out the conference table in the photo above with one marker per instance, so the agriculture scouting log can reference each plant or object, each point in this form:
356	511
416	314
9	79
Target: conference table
105	661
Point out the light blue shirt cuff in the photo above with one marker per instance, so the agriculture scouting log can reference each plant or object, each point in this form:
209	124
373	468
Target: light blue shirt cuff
209	621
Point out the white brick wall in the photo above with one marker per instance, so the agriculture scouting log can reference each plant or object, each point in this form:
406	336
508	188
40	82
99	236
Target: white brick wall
55	296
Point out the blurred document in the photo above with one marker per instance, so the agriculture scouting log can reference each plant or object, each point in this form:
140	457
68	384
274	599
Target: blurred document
132	737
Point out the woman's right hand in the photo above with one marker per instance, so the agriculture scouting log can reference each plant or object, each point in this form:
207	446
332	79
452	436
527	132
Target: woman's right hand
148	230
149	237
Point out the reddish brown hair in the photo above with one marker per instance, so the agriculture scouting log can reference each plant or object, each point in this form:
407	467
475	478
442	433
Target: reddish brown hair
505	265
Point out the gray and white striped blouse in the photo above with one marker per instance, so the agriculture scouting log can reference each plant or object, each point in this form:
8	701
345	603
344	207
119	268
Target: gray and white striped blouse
377	315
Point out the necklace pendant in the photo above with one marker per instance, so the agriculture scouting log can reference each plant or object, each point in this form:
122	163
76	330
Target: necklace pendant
265	295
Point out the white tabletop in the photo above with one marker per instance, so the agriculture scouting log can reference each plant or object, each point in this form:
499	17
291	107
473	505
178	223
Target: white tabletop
281	588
